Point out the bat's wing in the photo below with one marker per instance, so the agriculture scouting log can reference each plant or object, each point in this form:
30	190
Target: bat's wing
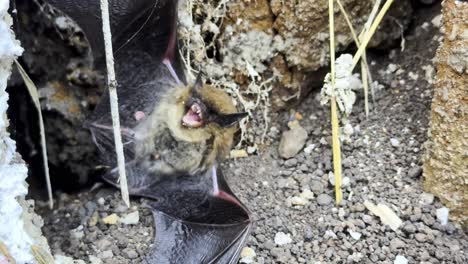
147	60
193	226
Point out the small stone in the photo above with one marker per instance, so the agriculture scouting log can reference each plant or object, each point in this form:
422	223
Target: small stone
290	163
307	194
330	234
93	220
316	187
409	228
77	233
386	215
247	255
296	200
344	181
355	257
309	148
426	198
106	254
101	201
437	21
94	260
251	149
400	260
442	215
130	253
395	142
282	239
324	199
130	219
103	244
420	237
292	141
355	235
110	219
415	172
397	243
238	153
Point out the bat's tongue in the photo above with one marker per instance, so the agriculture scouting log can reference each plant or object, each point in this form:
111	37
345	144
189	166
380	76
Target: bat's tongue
193	117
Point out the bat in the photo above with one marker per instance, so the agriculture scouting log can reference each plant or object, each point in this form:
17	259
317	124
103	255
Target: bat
174	133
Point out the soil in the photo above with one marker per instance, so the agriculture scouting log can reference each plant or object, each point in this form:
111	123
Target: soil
381	158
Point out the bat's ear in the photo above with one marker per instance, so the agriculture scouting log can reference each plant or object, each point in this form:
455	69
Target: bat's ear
198	82
229	120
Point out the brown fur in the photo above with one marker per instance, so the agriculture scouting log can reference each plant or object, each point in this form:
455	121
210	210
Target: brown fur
168	115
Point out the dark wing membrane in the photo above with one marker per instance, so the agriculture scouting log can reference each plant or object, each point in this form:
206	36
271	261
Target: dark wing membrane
192	225
144	34
128	19
178	241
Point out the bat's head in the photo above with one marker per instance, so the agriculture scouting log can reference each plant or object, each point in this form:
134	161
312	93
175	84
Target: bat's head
205	105
201	113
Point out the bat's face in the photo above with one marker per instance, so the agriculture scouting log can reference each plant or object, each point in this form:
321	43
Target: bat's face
208	106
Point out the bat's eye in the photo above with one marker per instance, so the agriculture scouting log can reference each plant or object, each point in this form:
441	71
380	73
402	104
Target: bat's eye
193	118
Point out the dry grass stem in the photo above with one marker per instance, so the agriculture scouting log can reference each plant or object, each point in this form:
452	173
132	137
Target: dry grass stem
32	89
112	83
334	110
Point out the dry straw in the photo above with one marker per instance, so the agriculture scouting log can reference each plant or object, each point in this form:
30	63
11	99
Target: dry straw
362	41
112	83
32	89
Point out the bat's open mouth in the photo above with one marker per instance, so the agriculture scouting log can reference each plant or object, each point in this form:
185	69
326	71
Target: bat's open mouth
193	118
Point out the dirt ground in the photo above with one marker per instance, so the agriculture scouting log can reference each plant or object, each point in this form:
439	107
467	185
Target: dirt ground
381	159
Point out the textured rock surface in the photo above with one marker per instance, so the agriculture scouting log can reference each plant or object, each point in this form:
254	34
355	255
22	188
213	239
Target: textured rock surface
446	165
303	28
19	226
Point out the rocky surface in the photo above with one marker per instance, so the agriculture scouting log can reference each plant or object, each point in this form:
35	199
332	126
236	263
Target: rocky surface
298	34
292	199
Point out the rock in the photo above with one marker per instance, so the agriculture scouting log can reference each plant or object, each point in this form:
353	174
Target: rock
238	153
344	181
247	255
290	163
110	219
442	215
296	200
307	194
59	259
77	233
316	187
415	172
395	142
101	201
409	228
386	215
426	198
397	243
106	254
292	141
355	257
309	148
104	244
130	219
420	237
400	260
355	235
282	239
130	253
324	199
94	260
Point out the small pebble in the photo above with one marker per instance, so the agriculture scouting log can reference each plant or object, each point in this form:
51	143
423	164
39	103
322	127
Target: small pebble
111	219
282	239
400	260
